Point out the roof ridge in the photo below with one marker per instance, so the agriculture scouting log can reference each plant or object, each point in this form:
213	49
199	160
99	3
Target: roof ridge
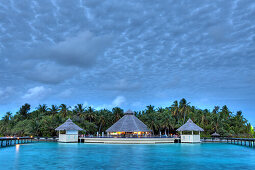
135	122
128	124
122	122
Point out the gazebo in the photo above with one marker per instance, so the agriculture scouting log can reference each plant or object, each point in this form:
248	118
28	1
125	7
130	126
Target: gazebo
68	132
190	126
129	125
215	134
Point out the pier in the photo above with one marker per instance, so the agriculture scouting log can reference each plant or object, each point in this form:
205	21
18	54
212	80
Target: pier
242	141
9	141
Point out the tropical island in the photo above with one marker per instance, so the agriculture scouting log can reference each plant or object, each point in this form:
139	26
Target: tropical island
43	120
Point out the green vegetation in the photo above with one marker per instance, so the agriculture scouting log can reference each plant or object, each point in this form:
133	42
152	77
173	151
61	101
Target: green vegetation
44	120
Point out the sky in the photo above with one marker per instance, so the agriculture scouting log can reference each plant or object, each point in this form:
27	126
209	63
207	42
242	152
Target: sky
128	53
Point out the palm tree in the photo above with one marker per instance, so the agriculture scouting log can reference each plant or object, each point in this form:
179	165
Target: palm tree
216	109
225	113
118	113
7	117
64	110
79	110
215	118
42	108
184	107
90	114
101	120
160	110
175	108
54	109
24	110
150	109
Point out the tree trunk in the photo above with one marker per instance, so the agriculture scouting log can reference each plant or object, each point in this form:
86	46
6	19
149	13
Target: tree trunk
184	117
100	128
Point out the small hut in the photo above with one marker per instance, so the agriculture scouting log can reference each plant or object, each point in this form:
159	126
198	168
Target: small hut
188	127
129	125
215	136
68	132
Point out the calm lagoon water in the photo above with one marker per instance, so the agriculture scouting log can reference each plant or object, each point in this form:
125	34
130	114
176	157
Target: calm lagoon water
104	156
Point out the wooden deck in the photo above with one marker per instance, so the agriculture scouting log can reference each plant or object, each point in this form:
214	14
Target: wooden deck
129	140
242	141
9	141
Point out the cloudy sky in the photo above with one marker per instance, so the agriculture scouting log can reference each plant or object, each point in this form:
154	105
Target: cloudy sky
128	53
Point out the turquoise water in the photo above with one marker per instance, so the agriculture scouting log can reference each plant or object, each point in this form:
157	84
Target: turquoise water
104	156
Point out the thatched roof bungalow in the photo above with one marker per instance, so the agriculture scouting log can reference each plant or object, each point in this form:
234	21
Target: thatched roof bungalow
190	126
68	132
128	124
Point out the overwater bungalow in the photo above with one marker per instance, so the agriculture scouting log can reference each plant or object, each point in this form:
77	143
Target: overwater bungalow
68	132
186	129
129	125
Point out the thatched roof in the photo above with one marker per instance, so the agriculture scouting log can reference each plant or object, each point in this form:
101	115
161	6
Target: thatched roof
69	125
129	112
190	126
215	134
128	123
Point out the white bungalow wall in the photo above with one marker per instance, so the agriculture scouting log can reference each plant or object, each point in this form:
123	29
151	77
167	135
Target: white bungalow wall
70	136
190	138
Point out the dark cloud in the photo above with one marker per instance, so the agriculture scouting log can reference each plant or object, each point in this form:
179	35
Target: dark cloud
81	50
147	52
51	73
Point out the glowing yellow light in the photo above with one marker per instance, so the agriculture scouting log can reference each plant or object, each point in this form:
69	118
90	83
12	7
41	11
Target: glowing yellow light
31	136
139	133
17	148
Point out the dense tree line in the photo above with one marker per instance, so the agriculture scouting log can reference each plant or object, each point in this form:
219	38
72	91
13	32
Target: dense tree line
43	120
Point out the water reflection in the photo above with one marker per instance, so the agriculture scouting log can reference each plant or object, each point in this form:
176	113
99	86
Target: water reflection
17	148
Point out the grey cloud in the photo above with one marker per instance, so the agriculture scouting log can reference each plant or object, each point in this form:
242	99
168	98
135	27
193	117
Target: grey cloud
36	93
6	94
59	62
51	73
81	50
121	85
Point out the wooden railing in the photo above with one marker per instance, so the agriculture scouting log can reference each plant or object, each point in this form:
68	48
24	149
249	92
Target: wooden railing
9	141
242	141
238	141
